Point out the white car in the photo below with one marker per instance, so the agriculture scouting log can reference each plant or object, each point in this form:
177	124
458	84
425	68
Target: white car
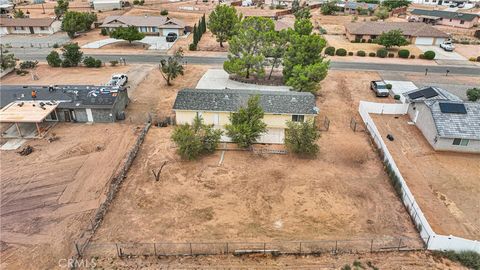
447	46
118	80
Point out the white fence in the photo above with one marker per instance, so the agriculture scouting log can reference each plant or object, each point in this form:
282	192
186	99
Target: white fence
432	240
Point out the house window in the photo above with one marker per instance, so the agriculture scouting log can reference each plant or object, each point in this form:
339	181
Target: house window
154	29
461	142
450	20
19	28
462	22
43	28
298	118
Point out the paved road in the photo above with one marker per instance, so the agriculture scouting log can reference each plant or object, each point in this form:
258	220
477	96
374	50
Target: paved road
35	54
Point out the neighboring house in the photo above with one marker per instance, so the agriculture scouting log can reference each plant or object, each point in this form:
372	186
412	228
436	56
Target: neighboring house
29	26
76	103
150	25
448	123
416	33
447	18
215	107
357	8
105	5
6	7
456	3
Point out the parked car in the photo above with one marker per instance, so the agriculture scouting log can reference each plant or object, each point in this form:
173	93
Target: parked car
380	88
171	37
118	80
447	46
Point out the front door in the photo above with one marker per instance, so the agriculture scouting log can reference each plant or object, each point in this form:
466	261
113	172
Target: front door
31	30
67	116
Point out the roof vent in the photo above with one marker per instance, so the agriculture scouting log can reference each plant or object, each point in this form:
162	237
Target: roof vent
226	97
293	99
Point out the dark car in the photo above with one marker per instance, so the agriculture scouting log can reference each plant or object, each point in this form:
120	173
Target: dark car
380	88
171	37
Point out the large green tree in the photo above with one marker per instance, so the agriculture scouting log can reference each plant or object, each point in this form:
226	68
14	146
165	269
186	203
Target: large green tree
329	8
61	8
246	125
129	34
295	6
306	78
72	55
382	13
277	43
223	22
301	138
392	38
392	4
196	139
74	22
172	67
303	13
246	48
303	26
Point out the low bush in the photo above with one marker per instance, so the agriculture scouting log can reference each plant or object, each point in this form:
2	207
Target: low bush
53	59
104	32
192	47
473	94
28	64
164	12
56	46
470	259
92	62
350	53
382	53
135	2
341	52
429	55
412	56
363	40
465	42
113	63
403	53
330	51
369	40
421	56
391	55
21	72
396	97
478	58
389	86
361	53
473	59
372	54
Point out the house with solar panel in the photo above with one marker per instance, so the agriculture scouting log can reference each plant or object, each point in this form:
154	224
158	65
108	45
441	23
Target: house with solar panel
215	106
447	122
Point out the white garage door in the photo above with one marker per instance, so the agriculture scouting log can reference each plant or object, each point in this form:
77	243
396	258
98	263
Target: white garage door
424	41
273	135
439	41
166	31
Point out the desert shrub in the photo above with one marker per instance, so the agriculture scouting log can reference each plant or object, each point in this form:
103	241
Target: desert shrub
412	56
56	46
382	53
403	53
473	94
53	59
421	56
396	97
429	55
113	63
369	40
21	72
389	86
470	259
361	53
28	64
372	54
478	58
164	12
135	2
341	52
363	40
92	62
350	53
374	19
391	55
330	51
192	47
104	32
473	59
465	42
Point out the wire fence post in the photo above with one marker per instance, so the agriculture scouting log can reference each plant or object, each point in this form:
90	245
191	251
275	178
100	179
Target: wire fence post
300	248
371	246
336	245
264	248
227	247
154	249
191	250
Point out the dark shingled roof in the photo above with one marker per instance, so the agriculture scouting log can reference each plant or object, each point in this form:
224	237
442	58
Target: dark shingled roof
408	28
68	96
230	100
445	14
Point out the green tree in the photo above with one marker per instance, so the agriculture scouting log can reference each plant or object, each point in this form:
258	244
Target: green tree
382	13
329	8
392	4
195	35
72	55
246	48
92	62
301	138
246	125
203	23
392	38
277	45
303	50
53	59
74	22
473	94
223	22
196	139
172	67
61	8
18	13
7	60
306	78
303	13
303	26
129	34
295	6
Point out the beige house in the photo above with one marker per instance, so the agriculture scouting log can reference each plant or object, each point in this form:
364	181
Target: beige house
415	33
215	107
29	26
447	18
150	25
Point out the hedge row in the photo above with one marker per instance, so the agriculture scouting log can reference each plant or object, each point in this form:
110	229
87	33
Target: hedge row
383	53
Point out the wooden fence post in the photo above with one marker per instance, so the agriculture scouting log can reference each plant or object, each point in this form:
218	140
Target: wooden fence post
300	247
336	245
227	247
154	249
191	250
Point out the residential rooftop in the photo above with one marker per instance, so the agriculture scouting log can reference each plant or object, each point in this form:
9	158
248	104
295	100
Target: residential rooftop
414	29
429	93
67	96
146	21
445	14
230	100
26	22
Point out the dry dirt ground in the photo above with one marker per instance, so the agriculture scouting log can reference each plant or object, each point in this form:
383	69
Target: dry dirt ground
445	183
49	196
259	197
411	260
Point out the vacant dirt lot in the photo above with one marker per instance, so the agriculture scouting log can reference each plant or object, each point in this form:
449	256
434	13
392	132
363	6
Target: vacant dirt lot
261	197
48	197
445	184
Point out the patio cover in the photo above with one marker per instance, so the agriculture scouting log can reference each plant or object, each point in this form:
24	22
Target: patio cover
26	111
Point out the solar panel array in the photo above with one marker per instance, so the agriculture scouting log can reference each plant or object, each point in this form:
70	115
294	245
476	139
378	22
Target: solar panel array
452	108
426	93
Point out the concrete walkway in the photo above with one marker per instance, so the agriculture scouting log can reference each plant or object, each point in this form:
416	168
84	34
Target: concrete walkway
218	79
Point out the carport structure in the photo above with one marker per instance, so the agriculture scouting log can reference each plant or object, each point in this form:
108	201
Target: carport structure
29	116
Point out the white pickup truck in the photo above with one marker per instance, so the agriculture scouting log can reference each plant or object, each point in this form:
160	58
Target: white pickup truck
118	80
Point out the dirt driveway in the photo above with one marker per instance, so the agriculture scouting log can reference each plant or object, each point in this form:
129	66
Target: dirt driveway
445	184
